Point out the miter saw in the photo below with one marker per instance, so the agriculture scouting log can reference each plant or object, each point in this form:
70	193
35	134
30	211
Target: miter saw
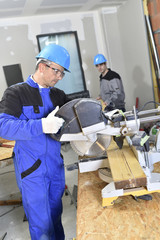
90	130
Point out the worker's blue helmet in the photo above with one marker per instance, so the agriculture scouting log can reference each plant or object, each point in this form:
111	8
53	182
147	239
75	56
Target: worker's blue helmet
99	58
56	54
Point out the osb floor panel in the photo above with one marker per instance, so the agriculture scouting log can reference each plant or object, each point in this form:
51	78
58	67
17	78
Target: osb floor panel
127	219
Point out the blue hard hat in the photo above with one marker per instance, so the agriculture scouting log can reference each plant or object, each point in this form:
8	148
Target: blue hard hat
99	58
56	54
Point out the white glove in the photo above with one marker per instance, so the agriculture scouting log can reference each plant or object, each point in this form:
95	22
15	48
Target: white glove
52	124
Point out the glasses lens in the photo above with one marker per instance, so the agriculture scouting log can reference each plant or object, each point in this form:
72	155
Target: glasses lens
57	71
62	74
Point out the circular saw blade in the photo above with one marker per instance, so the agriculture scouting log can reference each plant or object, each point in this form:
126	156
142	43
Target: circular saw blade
89	148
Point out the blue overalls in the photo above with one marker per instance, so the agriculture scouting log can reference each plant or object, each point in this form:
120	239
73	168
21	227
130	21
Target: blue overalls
39	167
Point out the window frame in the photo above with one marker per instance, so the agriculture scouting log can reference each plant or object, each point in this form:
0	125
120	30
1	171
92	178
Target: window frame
78	52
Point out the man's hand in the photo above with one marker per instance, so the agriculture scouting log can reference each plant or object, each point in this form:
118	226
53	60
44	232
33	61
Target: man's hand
110	107
105	104
99	98
52	124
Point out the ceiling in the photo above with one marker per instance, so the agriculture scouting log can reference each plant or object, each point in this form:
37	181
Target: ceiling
21	8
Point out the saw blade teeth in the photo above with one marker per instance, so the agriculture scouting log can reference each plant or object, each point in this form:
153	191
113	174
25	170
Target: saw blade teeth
88	148
75	149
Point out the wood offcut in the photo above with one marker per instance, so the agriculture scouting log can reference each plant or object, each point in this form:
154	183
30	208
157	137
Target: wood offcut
125	168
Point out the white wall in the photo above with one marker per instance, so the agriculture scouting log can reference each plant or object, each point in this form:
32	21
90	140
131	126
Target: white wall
119	35
19	43
128	51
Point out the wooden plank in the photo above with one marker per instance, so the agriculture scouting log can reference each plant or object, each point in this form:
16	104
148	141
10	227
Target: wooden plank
11	202
6	149
125	168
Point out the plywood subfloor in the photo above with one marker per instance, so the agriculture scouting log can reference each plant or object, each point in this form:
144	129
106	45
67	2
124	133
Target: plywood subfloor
127	219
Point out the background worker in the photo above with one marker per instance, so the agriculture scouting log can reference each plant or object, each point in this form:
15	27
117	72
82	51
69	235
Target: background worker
111	86
27	115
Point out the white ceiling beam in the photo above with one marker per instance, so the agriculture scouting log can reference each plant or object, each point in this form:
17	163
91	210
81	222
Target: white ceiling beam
31	7
113	2
63	6
89	5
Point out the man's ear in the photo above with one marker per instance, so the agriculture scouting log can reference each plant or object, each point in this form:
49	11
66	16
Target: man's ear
42	67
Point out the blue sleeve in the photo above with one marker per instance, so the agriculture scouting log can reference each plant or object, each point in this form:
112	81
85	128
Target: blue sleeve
13	128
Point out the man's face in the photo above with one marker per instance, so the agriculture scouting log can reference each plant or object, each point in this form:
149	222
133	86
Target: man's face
52	73
101	67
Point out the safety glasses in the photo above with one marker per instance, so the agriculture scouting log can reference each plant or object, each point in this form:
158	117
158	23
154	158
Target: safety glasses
57	71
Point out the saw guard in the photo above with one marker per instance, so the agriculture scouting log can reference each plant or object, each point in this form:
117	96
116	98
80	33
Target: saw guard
82	117
80	114
71	125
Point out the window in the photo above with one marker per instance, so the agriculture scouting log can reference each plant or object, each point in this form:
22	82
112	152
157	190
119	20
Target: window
74	82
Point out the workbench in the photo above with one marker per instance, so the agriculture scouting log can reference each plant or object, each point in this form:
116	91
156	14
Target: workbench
6	151
127	219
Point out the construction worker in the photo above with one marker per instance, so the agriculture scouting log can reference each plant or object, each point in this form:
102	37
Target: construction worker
27	115
111	86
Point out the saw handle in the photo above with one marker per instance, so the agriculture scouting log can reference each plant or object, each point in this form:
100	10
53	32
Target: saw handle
57	136
105	118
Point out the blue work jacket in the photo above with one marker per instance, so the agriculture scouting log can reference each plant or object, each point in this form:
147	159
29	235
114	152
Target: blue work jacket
21	109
